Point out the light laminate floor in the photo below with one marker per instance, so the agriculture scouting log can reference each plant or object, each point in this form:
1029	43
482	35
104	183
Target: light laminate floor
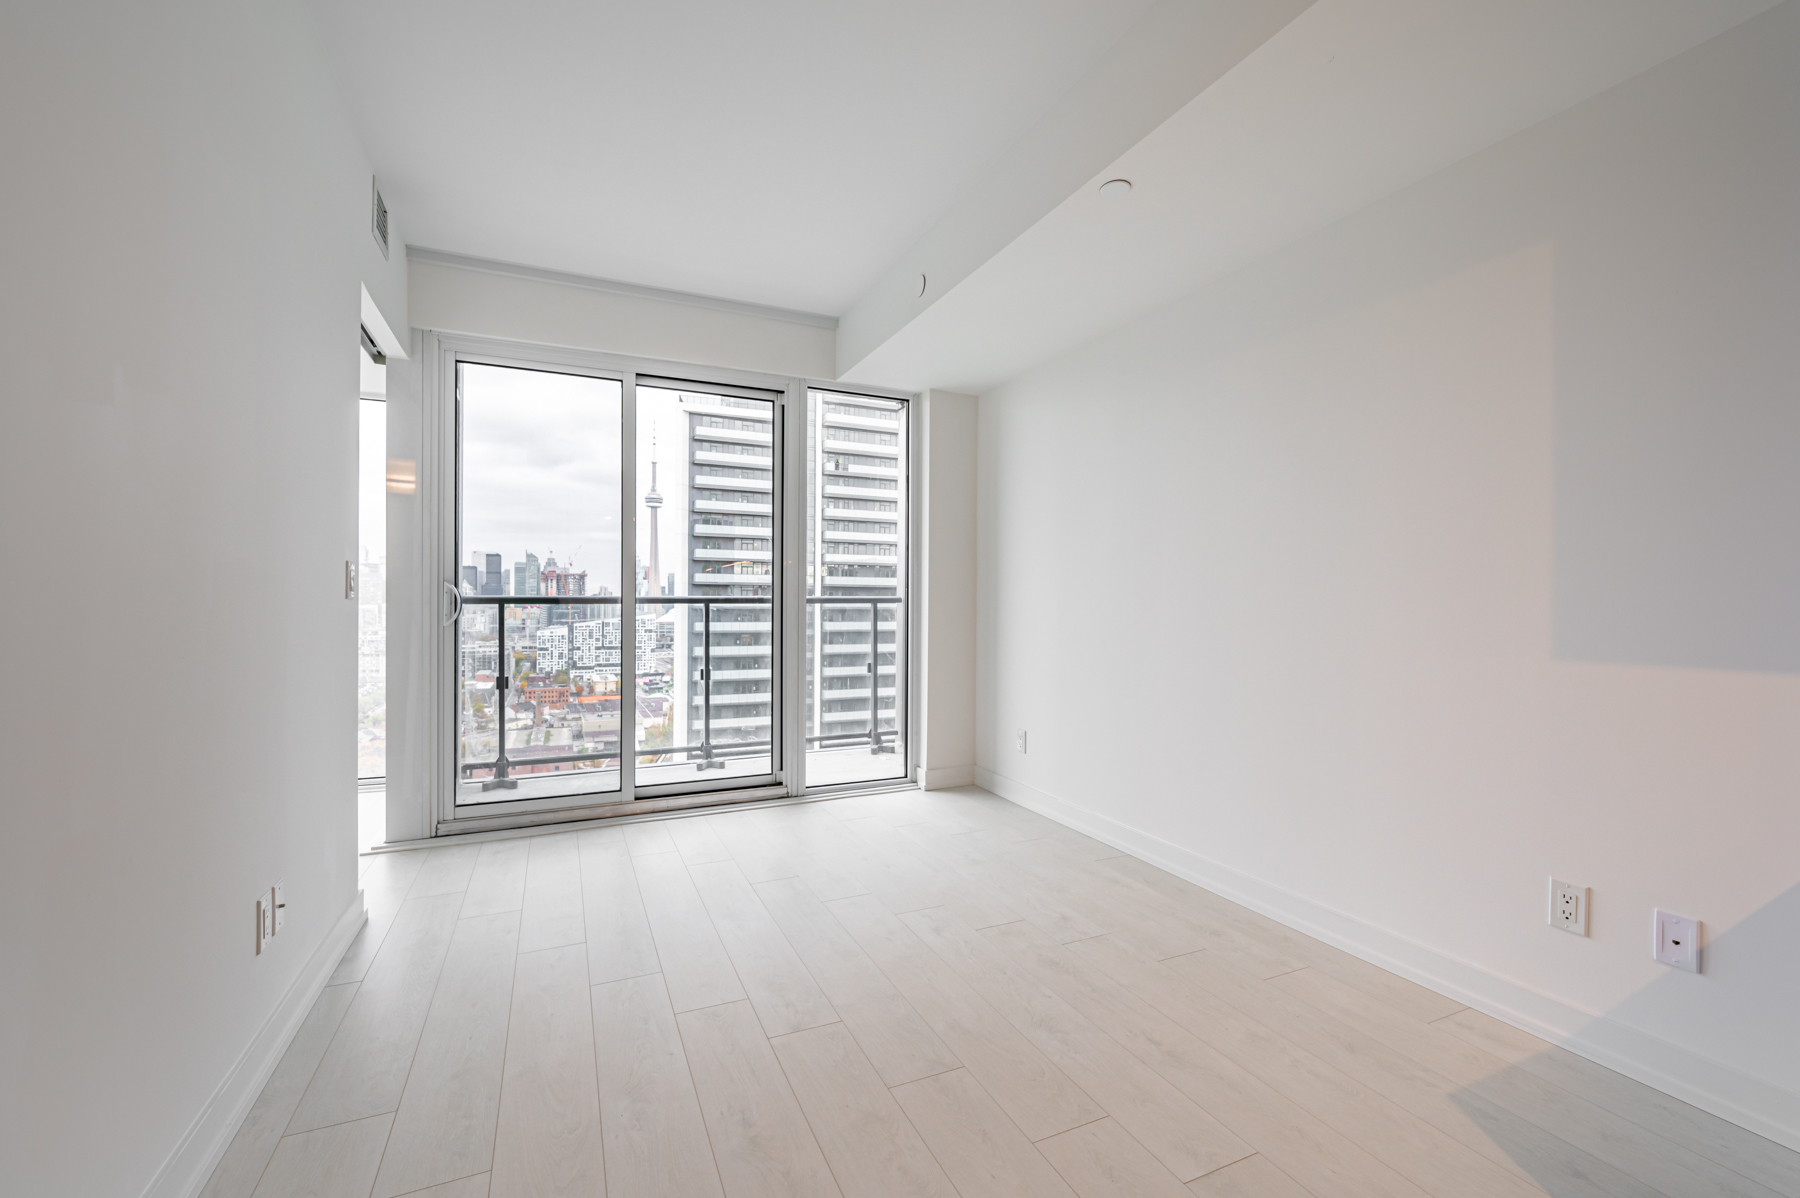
921	994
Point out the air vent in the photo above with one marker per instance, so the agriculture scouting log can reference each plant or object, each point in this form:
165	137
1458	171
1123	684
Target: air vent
378	220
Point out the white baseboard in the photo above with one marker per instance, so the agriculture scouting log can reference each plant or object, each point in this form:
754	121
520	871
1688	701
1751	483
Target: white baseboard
185	1172
1750	1102
942	779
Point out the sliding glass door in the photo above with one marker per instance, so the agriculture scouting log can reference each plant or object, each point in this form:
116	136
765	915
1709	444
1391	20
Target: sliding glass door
624	619
856	615
707	695
613	648
539	519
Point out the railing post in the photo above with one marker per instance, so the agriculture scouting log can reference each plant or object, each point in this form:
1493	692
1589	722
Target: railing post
706	752
502	679
874	676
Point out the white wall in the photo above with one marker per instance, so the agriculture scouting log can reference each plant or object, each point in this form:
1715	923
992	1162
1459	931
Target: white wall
184	225
1448	549
944	490
454	299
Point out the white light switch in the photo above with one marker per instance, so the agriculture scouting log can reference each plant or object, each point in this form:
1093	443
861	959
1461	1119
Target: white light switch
1678	941
280	906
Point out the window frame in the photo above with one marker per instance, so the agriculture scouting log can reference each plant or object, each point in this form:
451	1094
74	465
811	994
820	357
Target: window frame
433	755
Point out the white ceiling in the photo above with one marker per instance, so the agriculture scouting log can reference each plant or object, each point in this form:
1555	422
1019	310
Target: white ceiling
1350	102
820	155
780	152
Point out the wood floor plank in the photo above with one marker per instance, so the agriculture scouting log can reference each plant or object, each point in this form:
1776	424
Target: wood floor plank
982	1151
696	841
1634	1150
498	880
1321	1125
899	884
897	1042
761	1142
1127	912
1014	823
810	839
1184	1137
1112	994
548	1140
1745	1152
975	901
779	986
901	993
1252	1177
384	883
947	815
1101	1160
1153	920
1511	1142
445	1126
872	1148
897	808
696	968
655	1138
364	1071
651	837
462	1187
553	904
1009	821
393	871
250	1149
752	838
327	1162
984	855
446	871
619	944
1390	988
1038	1096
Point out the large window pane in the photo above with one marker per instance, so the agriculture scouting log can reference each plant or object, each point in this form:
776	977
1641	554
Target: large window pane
706	692
856	580
538	554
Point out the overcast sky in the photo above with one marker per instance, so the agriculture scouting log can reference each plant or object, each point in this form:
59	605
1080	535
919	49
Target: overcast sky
540	469
540	472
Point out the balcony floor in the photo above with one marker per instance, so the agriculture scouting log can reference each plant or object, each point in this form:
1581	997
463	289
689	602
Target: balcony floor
921	993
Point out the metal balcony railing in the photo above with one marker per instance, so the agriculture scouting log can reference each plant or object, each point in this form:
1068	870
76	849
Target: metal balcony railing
707	753
878	739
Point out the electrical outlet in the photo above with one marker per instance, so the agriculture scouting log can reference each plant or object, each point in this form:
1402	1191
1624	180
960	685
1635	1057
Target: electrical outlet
1677	941
1569	907
1021	740
280	908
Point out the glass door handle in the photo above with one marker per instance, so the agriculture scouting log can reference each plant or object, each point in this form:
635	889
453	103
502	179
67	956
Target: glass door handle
456	607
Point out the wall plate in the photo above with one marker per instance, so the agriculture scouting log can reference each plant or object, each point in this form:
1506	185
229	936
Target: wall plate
1569	906
1676	941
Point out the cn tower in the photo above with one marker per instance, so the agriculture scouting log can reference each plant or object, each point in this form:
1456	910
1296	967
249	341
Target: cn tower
653	501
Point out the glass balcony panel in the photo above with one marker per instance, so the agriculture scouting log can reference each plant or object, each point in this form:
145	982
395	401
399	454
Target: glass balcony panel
706	704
